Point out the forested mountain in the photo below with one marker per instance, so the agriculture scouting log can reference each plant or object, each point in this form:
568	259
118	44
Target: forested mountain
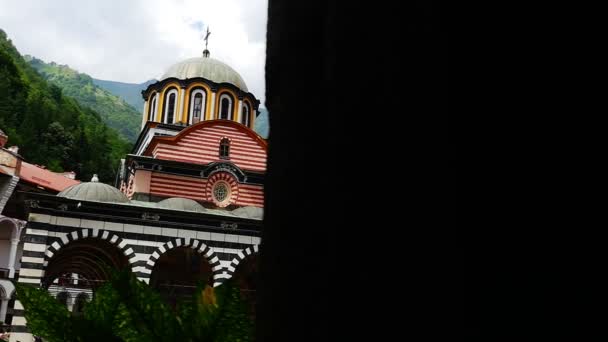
130	92
50	127
114	111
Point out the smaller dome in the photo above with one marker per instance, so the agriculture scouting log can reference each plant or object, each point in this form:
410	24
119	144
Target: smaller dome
249	212
95	192
178	203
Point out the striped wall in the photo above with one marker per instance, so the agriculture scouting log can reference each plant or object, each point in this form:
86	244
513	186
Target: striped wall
201	146
198	189
252	195
141	244
162	184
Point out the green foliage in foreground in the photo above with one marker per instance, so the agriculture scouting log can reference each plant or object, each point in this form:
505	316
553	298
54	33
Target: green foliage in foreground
126	309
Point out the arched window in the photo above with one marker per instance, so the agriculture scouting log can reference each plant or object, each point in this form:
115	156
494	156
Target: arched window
170	104
152	107
225	107
197	106
225	149
245	115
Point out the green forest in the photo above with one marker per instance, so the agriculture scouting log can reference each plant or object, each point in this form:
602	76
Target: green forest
50	127
114	111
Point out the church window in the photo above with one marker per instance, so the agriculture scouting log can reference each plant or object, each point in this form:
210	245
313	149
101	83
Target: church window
171	109
225	107
152	108
197	106
220	192
225	149
245	115
170	104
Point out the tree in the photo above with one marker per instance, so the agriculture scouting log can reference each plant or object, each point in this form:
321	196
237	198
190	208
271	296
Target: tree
126	309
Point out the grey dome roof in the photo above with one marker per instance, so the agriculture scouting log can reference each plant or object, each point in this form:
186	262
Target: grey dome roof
94	191
208	68
178	203
249	212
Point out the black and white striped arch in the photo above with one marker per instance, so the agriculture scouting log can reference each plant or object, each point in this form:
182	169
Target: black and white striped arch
241	256
195	244
90	233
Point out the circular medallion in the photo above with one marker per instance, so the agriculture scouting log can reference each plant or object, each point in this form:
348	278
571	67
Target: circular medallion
222	189
220	192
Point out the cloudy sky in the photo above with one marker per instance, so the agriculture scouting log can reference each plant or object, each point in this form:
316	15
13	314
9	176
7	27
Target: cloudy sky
137	40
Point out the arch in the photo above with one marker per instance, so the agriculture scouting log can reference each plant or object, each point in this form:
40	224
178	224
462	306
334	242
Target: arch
170	105
241	256
16	226
246	114
226	106
224	151
86	258
8	219
195	244
7	289
194	106
152	106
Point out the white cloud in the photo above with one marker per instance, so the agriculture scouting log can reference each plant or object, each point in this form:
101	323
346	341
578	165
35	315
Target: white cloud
136	40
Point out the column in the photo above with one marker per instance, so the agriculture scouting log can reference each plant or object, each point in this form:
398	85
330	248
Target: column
181	105
20	331
71	300
156	116
11	257
145	117
239	111
252	121
212	110
3	308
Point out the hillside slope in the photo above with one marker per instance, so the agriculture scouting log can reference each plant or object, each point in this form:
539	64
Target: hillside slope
114	111
51	128
130	92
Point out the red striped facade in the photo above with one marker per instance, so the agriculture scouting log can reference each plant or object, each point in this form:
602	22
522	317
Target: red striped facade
200	144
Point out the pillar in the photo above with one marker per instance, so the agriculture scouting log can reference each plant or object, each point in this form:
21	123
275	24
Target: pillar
3	308
144	116
157	115
11	257
239	110
70	302
180	110
212	109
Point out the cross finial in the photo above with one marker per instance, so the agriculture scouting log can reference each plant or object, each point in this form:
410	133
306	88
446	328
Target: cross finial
207	37
206	52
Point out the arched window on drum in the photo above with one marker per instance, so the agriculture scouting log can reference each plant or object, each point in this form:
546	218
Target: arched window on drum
170	106
198	101
152	107
245	114
225	107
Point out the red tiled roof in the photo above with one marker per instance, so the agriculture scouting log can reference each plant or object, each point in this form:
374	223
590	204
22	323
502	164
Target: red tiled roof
45	178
